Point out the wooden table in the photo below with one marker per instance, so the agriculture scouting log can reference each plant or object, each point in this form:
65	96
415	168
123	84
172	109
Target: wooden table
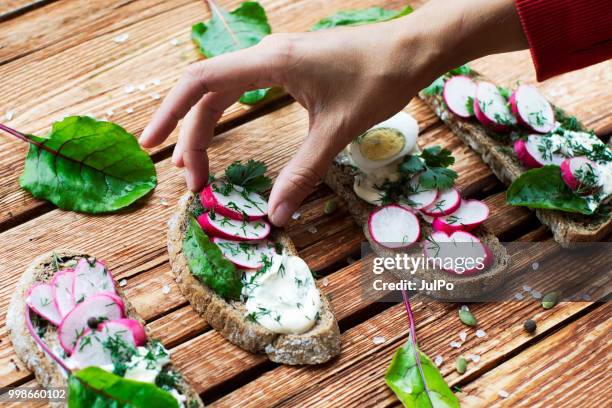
61	57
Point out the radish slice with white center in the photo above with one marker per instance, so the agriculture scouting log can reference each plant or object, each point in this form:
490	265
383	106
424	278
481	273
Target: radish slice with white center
580	174
448	202
531	156
469	215
458	92
422	198
461	252
40	299
103	306
90	279
491	108
219	226
393	226
91	350
532	109
62	284
245	255
234	203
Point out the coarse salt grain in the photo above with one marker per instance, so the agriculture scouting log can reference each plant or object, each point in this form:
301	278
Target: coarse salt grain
586	297
438	361
455	344
155	96
535	294
296	215
165	289
519	296
527	288
480	333
503	393
535	266
142	87
122	282
9	115
378	340
463	335
129	88
175	41
163	202
109	112
312	230
464	307
155	82
122	37
129	110
474	357
325	281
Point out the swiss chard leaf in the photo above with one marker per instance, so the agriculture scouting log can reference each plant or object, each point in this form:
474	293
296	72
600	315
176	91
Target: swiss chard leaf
359	17
208	264
250	175
95	387
88	166
404	379
545	188
226	32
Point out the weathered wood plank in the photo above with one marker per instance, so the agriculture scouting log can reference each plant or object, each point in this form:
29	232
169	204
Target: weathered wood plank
550	372
12	8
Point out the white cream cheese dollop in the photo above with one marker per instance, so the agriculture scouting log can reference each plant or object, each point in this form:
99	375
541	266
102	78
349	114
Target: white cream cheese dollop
283	297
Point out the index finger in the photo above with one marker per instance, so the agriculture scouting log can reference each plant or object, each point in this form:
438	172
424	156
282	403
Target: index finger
240	70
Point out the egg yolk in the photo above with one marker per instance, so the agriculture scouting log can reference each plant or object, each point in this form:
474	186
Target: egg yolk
381	143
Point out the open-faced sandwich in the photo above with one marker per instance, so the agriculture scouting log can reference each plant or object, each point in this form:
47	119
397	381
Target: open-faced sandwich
72	326
550	161
405	199
244	277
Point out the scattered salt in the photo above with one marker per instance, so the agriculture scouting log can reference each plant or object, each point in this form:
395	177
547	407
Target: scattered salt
519	296
535	294
165	289
480	333
9	115
163	202
464	307
296	215
535	266
586	297
527	288
463	335
378	340
503	394
122	282
155	82
122	38
325	281
109	112
175	41
474	357
142	87
438	361
155	96
129	88
312	230
129	110
455	344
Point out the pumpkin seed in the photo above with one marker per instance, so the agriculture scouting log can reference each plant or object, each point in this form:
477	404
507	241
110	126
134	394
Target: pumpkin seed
461	365
467	317
330	206
550	300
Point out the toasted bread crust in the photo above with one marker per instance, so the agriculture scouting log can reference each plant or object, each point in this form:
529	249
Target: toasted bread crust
318	345
47	372
340	178
566	227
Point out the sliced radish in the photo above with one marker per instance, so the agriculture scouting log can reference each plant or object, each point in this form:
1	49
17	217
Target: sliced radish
530	155
461	252
458	92
245	255
40	299
91	349
469	215
90	279
422	198
223	227
447	203
62	284
103	306
491	108
235	203
394	226
574	170
532	109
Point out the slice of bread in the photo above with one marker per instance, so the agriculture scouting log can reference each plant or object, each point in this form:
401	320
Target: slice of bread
316	346
499	155
340	177
48	373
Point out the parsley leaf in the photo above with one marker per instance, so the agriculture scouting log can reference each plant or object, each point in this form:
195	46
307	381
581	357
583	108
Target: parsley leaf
436	156
250	175
437	178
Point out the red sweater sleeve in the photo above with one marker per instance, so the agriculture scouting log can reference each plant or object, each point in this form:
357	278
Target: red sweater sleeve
565	35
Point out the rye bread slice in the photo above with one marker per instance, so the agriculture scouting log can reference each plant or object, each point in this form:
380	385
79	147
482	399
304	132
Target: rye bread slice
498	153
316	346
47	372
340	178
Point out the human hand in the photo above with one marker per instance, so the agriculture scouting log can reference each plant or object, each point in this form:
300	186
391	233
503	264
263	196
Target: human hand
348	79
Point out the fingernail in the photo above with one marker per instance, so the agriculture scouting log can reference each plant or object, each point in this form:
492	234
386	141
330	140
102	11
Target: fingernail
143	135
281	214
190	181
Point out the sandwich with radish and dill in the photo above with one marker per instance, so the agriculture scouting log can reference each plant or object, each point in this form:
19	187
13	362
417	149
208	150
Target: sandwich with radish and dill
244	277
551	163
405	199
73	327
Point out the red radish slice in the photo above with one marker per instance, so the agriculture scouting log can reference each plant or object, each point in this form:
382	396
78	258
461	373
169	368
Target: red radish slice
90	348
40	299
532	109
573	171
529	154
447	203
235	204
393	226
43	346
90	279
103	306
469	215
62	284
457	93
245	255
461	252
224	227
491	108
420	199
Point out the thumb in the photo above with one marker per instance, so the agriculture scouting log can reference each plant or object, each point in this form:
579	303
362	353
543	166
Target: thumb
301	175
